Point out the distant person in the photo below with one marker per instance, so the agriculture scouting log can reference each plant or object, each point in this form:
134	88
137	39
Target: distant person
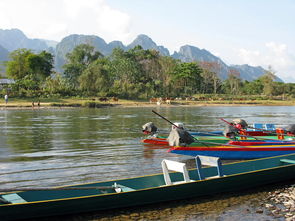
6	98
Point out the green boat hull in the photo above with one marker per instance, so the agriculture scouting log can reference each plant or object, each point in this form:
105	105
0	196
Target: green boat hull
208	141
239	138
151	189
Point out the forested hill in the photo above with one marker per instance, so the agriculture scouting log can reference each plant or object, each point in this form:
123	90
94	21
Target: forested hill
189	53
70	42
3	57
14	39
3	54
147	43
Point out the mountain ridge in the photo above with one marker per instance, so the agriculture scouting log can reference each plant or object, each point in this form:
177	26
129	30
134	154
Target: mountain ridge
14	38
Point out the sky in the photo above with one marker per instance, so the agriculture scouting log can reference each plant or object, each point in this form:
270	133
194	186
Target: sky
254	32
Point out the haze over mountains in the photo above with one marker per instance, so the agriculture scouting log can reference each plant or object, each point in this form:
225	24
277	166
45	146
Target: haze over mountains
13	39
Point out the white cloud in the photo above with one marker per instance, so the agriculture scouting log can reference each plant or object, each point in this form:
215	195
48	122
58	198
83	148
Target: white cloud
215	53
277	48
55	19
273	54
248	56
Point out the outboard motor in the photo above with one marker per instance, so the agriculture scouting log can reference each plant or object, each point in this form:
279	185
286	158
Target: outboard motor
149	128
230	131
290	130
179	136
240	123
178	125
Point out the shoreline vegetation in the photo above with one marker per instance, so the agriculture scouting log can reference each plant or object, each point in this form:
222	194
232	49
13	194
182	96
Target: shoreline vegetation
16	103
136	74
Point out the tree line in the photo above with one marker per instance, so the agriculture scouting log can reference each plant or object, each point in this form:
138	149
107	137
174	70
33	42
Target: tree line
132	74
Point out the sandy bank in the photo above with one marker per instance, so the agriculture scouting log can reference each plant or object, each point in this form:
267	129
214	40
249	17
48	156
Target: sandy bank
127	103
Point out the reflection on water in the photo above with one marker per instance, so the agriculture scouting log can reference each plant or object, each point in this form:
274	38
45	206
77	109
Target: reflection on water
66	146
49	147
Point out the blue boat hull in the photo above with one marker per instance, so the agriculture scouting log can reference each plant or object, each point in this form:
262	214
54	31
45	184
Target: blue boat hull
212	133
235	153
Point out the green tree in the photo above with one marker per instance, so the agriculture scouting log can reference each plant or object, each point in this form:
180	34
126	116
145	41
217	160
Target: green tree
187	78
17	67
95	79
150	71
253	88
268	81
168	65
57	86
40	65
29	69
148	60
233	82
125	72
78	60
211	81
290	89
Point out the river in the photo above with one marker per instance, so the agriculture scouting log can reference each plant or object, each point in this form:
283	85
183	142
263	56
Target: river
54	147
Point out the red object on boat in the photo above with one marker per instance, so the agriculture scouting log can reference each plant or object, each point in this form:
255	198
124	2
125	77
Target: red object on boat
259	133
260	142
154	140
146	132
280	133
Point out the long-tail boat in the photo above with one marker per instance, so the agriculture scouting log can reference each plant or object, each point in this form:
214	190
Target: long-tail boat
213	141
28	203
234	152
200	142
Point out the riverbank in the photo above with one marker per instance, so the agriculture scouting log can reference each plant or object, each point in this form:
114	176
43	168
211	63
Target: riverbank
95	103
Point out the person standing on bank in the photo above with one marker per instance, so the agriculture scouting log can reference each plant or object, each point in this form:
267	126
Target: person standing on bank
6	98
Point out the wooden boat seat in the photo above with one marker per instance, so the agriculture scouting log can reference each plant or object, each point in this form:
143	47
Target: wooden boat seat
120	188
169	165
287	161
13	198
208	161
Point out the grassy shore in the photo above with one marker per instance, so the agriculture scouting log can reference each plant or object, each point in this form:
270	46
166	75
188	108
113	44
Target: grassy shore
95	103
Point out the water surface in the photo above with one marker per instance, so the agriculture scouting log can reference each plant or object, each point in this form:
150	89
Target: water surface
52	147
